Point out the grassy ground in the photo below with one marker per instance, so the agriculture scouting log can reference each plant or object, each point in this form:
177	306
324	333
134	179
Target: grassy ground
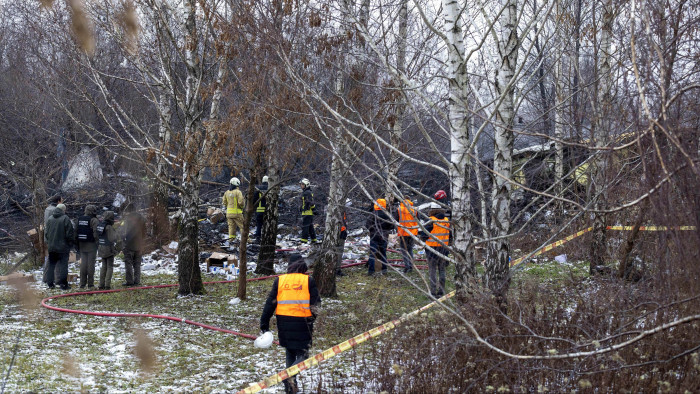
68	352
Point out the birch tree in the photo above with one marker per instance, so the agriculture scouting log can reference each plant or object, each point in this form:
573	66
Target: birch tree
497	276
601	134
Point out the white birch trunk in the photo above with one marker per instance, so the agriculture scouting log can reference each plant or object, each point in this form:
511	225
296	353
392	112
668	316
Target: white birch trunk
497	276
600	137
324	272
460	163
559	121
160	226
189	275
268	236
400	105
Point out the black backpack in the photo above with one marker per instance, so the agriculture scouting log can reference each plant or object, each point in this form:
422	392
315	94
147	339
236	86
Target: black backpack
84	230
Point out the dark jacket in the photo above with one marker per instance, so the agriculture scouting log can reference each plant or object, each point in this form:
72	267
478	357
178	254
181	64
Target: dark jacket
134	232
294	332
59	234
109	244
379	225
260	200
85	246
308	199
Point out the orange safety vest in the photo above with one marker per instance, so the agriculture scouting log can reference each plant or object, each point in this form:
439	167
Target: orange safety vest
407	219
293	297
441	232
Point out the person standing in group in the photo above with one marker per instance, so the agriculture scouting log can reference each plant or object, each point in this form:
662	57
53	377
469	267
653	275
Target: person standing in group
307	212
109	246
87	236
233	203
59	237
260	207
437	238
133	232
408	227
294	299
441	197
48	212
380	226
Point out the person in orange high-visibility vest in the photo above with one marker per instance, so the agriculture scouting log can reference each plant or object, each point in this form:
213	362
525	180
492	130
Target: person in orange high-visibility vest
293	299
408	226
437	239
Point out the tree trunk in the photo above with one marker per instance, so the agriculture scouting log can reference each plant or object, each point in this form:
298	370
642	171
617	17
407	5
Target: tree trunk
243	256
631	239
559	123
160	225
460	162
497	276
189	275
400	104
575	112
268	236
325	265
600	137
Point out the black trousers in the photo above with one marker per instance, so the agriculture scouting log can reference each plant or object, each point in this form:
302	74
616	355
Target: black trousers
307	228
258	224
294	356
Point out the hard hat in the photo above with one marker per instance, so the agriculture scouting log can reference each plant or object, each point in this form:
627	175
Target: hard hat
439	195
305	182
379	204
264	341
235	181
264	179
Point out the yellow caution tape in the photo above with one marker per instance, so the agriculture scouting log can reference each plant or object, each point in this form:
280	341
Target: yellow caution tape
553	245
374	332
653	228
335	350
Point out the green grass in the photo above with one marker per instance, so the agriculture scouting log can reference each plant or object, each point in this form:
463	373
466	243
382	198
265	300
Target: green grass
188	356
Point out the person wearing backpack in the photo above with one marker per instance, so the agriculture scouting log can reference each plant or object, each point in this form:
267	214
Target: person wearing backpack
87	244
109	246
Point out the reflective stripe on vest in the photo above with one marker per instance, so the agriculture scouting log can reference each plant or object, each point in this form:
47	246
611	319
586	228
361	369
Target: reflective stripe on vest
85	233
309	211
260	207
441	232
232	207
293	297
407	221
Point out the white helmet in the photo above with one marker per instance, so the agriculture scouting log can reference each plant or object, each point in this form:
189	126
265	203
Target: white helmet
264	340
264	179
305	182
235	181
